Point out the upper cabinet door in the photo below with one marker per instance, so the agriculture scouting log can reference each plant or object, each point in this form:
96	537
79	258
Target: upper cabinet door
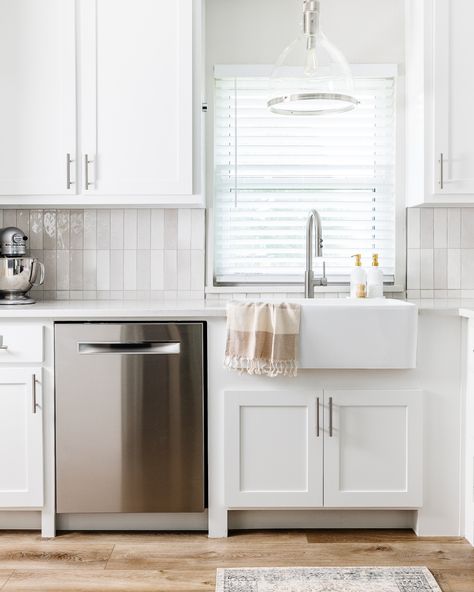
37	97
373	449
136	98
453	97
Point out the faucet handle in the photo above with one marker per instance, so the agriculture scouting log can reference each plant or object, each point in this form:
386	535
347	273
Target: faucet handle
324	279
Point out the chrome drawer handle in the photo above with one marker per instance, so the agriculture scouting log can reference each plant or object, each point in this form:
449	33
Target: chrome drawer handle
317	417
33	391
330	417
69	160
3	347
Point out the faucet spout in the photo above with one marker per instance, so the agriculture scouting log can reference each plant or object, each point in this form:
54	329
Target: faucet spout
313	223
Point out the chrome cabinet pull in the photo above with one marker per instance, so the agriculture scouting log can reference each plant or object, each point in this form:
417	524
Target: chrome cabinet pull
441	170
69	160
2	346
317	417
33	389
330	417
87	162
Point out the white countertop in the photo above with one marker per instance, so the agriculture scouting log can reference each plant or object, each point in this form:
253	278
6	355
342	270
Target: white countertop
114	309
172	309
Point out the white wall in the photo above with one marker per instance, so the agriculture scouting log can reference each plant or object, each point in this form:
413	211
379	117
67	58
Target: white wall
256	31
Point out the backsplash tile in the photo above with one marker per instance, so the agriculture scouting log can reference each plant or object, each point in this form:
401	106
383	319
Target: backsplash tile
117	254
440	252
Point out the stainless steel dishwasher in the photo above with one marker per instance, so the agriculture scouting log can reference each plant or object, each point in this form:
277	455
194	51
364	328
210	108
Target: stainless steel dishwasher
130	422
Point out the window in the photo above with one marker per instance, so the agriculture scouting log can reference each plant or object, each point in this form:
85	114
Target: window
271	170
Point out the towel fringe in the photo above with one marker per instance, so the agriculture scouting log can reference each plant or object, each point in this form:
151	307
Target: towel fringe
261	367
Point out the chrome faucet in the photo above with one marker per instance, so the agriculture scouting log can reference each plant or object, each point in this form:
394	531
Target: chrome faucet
313	222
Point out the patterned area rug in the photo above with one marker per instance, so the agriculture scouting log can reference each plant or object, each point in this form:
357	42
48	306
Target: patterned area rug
326	579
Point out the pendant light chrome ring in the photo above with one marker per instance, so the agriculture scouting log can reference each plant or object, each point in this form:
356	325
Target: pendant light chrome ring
349	103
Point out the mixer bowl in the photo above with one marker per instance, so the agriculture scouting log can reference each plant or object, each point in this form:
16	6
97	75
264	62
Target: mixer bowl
17	276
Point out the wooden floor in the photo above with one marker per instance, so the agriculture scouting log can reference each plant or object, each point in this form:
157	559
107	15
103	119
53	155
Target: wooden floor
186	562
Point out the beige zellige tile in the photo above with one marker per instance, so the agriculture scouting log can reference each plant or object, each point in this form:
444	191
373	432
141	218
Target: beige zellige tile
198	229
184	270
184	229
22	221
170	271
103	270
413	228
49	229
171	230
440	228
426	228
116	270
454	269
103	229
62	229
467	228
156	270
9	217
144	229
440	269
36	229
129	270
157	229
116	229
130	228
90	229
467	269
2	225
454	228
90	270
197	271
77	229
143	270
50	266
75	269
426	269
62	267
413	269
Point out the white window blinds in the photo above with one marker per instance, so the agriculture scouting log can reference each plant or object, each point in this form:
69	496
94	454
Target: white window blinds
271	170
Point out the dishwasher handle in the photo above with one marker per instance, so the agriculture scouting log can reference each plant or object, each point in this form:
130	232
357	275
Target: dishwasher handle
129	347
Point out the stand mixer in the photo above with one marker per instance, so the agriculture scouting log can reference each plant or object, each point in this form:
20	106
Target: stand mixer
18	273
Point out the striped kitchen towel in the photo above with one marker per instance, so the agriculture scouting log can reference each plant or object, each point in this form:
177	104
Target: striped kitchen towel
262	338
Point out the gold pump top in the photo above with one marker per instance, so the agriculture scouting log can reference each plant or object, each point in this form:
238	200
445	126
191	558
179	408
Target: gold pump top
375	260
358	259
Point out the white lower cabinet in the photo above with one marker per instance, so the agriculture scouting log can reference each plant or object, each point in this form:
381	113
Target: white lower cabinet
273	454
21	438
373	449
336	449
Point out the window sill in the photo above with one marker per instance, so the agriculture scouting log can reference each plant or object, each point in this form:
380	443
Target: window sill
292	289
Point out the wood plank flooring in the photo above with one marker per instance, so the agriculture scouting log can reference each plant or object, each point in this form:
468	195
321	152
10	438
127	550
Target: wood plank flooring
186	562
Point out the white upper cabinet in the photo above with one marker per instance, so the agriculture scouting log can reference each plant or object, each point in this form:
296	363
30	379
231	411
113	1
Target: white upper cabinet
440	94
37	97
137	97
136	110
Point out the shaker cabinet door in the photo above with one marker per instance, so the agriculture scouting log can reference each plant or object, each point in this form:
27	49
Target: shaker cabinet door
37	97
273	449
21	438
373	448
136	97
453	96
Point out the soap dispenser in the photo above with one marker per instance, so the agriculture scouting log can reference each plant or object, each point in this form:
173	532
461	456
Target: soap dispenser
358	279
375	279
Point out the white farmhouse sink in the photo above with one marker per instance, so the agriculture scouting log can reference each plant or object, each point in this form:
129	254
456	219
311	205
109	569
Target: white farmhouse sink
345	333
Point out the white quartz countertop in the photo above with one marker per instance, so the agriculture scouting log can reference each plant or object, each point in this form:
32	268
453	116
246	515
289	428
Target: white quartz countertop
107	309
176	309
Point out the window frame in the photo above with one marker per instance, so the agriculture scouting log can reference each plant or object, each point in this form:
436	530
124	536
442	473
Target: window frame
358	70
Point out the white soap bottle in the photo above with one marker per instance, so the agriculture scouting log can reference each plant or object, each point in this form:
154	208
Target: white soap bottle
375	279
358	279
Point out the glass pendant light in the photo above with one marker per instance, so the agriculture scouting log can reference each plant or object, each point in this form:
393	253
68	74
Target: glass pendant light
311	76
